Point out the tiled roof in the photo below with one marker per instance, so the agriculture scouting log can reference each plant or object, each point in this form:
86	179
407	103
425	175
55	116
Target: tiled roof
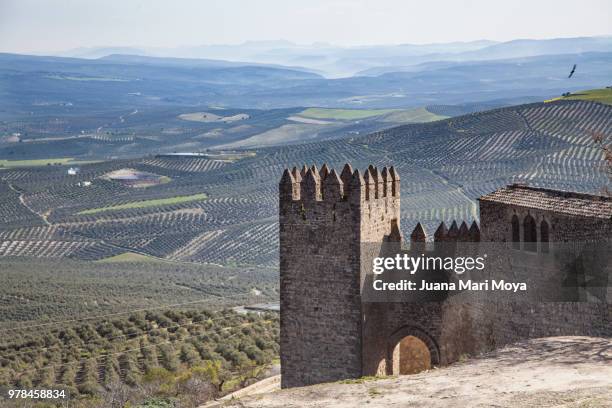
565	202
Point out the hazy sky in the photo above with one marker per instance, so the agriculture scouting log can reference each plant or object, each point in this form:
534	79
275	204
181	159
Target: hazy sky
57	25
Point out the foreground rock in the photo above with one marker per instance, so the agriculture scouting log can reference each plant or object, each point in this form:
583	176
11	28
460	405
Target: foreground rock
547	372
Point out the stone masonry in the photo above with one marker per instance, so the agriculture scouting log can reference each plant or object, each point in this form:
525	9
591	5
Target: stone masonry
331	225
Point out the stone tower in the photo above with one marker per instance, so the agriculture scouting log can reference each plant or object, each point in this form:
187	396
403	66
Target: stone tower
331	227
326	220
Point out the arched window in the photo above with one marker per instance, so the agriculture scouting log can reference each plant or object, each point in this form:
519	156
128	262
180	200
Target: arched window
516	235
530	236
544	238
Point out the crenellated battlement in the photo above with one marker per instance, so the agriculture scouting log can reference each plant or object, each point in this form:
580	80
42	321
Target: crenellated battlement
461	233
455	233
312	184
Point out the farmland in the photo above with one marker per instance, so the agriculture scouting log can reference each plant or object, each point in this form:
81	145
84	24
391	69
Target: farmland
41	290
126	323
147	203
31	163
128	257
222	212
207	117
603	95
189	356
417	115
166	260
343	114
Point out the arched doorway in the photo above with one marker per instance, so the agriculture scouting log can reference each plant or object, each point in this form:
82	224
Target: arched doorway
411	350
411	355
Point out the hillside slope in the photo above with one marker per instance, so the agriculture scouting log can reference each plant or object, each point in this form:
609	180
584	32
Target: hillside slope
444	166
548	372
603	95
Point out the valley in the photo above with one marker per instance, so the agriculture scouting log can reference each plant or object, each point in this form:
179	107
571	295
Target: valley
218	211
167	239
139	196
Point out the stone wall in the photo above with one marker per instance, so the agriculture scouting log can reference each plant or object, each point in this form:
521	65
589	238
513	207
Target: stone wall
324	218
496	224
586	315
331	226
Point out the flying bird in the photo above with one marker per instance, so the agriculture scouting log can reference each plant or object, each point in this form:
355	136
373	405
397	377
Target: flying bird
573	70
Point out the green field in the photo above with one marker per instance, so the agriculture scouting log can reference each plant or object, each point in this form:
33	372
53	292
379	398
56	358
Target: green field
596	95
146	203
343	114
31	163
417	115
129	257
43	162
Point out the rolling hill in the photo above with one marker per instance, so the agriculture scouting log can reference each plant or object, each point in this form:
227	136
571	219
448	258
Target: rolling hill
231	216
65	87
114	272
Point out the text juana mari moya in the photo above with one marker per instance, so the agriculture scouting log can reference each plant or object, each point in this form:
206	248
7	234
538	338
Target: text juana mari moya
459	265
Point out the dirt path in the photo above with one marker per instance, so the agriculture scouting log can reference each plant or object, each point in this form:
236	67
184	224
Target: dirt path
551	372
23	202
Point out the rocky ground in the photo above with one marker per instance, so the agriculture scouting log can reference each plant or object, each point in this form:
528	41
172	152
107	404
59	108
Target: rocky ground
547	372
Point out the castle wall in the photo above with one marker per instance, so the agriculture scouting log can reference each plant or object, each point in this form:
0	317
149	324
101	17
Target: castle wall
585	314
332	226
450	328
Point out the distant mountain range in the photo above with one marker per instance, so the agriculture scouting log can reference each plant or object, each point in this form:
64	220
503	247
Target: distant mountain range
135	82
337	61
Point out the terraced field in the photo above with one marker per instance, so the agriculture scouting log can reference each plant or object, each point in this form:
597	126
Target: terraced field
445	166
